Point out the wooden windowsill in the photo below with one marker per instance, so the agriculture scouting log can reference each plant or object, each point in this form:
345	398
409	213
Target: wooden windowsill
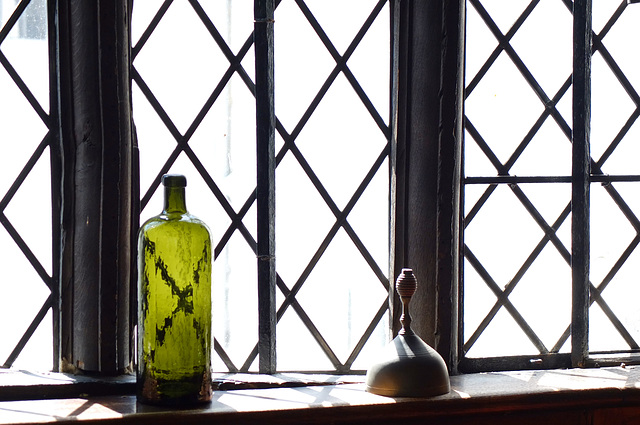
347	402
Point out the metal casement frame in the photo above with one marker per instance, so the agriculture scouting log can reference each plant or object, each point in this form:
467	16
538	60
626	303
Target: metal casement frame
585	171
580	181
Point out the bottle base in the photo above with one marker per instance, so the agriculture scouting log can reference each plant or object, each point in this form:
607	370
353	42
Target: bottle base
175	393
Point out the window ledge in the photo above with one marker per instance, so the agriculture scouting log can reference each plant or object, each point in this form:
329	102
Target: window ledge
590	393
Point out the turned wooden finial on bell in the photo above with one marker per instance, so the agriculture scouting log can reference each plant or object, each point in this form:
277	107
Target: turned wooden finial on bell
406	286
408	367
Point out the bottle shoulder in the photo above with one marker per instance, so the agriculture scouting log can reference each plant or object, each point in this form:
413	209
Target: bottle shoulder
174	221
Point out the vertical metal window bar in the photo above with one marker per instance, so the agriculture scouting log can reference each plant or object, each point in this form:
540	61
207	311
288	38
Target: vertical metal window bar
580	186
265	192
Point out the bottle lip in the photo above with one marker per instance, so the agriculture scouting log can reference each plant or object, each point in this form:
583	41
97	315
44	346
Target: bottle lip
174	180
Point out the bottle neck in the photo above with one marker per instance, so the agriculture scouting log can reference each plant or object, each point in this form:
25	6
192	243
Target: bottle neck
174	200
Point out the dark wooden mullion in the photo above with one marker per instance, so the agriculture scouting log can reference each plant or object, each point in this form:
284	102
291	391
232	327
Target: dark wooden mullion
97	152
56	166
150	28
25	90
17	13
580	239
33	260
504	301
29	332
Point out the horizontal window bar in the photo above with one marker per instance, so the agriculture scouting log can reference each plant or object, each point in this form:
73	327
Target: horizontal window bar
595	178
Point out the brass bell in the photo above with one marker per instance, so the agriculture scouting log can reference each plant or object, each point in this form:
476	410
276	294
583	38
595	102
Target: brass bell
408	366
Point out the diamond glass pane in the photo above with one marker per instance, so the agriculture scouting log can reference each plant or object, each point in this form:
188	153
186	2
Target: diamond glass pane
25	188
546	49
502	235
503	108
610	111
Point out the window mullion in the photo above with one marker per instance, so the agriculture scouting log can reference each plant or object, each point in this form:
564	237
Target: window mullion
265	192
97	207
580	180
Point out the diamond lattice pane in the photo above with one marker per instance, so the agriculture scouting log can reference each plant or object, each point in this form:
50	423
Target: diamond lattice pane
611	107
341	297
503	108
25	191
181	63
505	14
302	64
545	44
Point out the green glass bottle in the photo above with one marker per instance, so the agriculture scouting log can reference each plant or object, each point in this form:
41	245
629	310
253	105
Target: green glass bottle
174	303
